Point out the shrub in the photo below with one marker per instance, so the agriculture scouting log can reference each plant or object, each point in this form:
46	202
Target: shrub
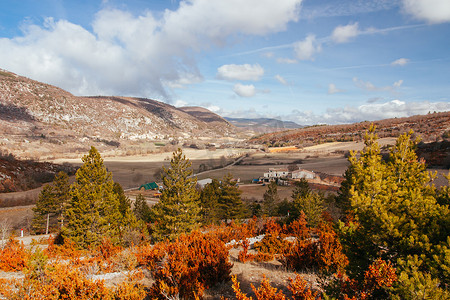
13	257
63	282
186	267
324	253
379	277
298	287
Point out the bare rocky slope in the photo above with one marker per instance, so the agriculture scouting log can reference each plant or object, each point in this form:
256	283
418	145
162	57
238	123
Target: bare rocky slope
38	120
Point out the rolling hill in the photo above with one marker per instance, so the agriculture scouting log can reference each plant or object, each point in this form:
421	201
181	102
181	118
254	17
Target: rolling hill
38	121
431	127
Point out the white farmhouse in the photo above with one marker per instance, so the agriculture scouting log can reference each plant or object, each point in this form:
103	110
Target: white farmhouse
302	173
276	173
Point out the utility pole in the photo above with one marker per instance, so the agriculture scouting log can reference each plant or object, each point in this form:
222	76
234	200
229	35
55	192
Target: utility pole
48	221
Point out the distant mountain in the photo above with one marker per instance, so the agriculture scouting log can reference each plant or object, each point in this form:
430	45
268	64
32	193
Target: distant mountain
431	127
39	120
204	114
262	125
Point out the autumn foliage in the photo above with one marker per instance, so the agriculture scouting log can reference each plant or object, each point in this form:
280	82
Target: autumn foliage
377	279
60	282
318	249
13	257
299	290
187	266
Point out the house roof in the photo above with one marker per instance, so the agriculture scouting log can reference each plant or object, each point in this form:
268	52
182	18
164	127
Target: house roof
303	170
278	170
149	186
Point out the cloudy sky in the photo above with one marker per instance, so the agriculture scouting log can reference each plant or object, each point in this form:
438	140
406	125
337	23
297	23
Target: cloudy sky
308	61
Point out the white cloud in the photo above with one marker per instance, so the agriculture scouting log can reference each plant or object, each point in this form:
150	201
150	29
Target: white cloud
283	60
433	11
214	108
400	62
370	112
138	55
268	54
183	80
240	72
307	48
343	34
332	89
397	83
368	86
281	79
180	103
244	90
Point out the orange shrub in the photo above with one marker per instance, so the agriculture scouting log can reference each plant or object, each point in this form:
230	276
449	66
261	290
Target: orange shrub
324	253
301	290
68	250
244	256
234	231
298	288
264	292
273	241
188	266
377	278
13	257
63	282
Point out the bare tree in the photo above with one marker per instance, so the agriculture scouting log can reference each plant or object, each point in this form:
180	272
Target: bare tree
5	227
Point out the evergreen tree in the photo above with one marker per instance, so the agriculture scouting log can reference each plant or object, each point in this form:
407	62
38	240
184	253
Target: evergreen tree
271	200
129	226
209	199
51	203
93	210
397	217
178	210
301	189
230	200
62	195
141	209
311	204
45	205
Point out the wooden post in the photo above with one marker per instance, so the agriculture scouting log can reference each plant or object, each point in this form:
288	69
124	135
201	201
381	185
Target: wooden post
48	220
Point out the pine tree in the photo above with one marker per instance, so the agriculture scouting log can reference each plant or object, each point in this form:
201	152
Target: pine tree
45	205
93	210
62	195
209	199
301	189
230	200
141	209
178	210
397	216
311	204
51	204
271	199
129	226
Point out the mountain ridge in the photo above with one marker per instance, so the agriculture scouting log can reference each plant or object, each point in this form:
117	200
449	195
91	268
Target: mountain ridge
43	115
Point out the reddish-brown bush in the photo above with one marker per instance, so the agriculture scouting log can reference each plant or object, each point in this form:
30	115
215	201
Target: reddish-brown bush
377	278
234	231
298	287
301	290
63	282
323	253
186	267
273	241
13	257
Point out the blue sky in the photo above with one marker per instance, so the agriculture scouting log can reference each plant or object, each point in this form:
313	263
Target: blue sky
310	61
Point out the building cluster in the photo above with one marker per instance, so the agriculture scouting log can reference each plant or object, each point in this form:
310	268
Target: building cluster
282	175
